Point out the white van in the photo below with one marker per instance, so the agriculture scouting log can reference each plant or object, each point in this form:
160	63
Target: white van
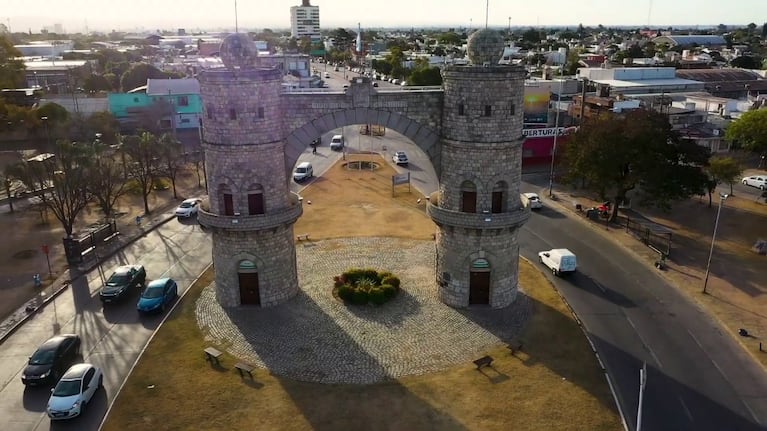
337	143
559	260
303	171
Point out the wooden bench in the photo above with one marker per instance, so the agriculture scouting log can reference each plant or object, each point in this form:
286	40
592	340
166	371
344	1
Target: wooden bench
303	237
484	361
212	354
243	368
515	346
88	253
110	237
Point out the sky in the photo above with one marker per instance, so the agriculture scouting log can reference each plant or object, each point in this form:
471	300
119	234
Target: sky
129	15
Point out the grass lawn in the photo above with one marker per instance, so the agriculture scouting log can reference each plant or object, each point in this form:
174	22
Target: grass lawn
554	384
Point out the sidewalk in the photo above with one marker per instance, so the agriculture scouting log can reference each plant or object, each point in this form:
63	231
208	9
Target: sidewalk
129	232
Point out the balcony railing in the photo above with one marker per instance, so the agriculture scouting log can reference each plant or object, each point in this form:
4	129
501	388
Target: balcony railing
484	220
270	220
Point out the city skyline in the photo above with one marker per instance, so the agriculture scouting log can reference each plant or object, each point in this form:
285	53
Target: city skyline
192	15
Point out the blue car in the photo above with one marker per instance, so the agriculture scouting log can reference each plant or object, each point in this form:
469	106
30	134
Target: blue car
157	295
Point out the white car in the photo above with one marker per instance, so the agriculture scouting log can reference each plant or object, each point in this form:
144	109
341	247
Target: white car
758	181
560	261
73	391
534	201
188	208
400	158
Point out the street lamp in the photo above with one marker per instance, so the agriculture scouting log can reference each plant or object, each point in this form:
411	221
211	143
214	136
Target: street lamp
556	134
722	197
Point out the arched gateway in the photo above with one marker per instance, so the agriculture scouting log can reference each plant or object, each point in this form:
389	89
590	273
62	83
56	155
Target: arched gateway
471	130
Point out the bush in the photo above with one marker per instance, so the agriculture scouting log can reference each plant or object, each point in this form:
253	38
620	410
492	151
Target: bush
362	285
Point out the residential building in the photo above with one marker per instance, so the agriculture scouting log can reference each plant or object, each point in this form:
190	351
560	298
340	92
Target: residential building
305	21
638	80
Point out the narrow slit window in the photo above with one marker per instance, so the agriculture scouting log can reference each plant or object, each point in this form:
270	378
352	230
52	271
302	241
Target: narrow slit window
511	109
488	110
232	114
460	109
261	112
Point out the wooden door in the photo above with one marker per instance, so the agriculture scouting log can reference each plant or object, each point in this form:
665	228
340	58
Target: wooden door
479	287
255	203
497	202
228	204
249	292
469	202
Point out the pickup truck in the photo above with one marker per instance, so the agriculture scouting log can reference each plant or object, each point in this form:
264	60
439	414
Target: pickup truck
121	282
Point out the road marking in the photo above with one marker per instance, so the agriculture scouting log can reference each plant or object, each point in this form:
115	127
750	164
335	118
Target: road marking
644	343
753	415
686	410
602	288
696	340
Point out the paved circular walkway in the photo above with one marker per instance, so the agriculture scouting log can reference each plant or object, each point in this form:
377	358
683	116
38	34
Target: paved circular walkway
316	338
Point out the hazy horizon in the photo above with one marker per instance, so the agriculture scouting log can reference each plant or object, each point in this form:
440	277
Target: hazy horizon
195	15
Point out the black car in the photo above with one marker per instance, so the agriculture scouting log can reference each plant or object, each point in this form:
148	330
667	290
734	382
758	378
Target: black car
121	281
51	359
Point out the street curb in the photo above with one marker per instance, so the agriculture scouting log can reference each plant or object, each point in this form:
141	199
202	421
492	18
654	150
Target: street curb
65	285
591	343
149	341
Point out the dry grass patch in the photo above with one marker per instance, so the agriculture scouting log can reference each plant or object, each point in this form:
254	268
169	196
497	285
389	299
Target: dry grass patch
554	384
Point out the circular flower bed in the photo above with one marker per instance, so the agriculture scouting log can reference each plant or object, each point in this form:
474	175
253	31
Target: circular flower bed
362	286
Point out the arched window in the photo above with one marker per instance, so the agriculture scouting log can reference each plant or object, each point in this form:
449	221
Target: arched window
256	199
226	199
499	197
468	197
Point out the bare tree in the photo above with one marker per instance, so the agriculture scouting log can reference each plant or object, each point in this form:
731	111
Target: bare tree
171	157
62	181
107	180
143	166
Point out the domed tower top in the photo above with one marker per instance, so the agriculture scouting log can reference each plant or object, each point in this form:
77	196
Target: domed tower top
485	47
238	51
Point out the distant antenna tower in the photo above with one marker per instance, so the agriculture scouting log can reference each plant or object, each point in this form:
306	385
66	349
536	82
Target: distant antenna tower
649	12
487	11
236	26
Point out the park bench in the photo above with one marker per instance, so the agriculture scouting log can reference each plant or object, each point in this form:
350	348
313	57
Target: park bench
212	354
88	253
243	368
484	361
514	346
110	237
303	237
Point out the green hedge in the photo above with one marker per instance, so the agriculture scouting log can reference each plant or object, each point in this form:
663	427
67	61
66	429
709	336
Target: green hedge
361	286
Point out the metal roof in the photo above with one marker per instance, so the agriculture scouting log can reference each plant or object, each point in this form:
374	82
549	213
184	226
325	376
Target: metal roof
691	39
164	87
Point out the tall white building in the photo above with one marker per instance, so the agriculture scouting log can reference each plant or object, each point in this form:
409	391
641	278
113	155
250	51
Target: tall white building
305	20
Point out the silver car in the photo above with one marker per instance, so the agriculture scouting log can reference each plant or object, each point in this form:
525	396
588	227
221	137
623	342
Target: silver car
73	391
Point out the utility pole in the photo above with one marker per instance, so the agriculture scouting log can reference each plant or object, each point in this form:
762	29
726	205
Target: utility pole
583	100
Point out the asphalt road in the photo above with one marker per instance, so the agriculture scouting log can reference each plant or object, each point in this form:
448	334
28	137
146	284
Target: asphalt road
699	378
112	337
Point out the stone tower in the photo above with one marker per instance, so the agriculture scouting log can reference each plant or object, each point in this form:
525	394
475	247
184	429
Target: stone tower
250	210
477	208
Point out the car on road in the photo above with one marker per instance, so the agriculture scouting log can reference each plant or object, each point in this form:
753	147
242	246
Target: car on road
400	158
533	200
337	143
73	392
158	294
327	75
758	181
120	283
188	208
560	261
51	359
303	172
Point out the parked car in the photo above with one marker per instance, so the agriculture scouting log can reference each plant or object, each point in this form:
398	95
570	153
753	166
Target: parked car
399	158
337	143
51	359
122	281
188	208
72	393
533	200
560	261
758	181
157	295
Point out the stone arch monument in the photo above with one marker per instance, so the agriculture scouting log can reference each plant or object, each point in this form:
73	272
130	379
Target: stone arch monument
471	129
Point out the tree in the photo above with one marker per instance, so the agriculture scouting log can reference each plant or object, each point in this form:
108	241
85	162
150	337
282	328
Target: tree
170	158
96	83
750	131
724	170
614	155
63	179
137	76
746	62
449	38
11	69
107	179
143	164
103	126
425	76
342	39
532	36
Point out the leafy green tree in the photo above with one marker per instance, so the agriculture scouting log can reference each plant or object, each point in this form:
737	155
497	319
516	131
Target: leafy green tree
95	83
395	59
137	76
746	62
532	36
425	75
724	170
750	131
64	179
11	69
55	112
614	155
343	39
